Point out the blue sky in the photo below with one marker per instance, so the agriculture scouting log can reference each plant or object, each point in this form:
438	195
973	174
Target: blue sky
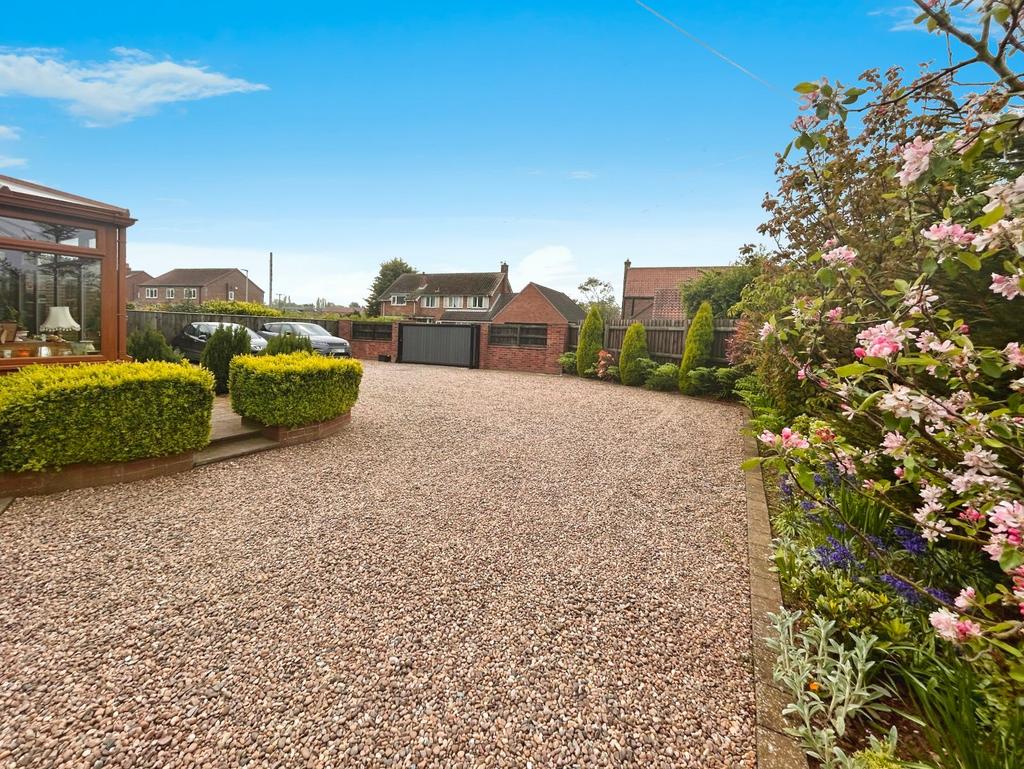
559	137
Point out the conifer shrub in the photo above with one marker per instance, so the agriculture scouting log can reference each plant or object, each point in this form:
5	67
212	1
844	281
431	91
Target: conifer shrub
665	377
697	353
223	345
148	344
590	342
284	344
634	350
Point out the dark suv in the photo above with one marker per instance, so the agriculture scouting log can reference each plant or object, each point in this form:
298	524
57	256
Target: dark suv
192	339
322	340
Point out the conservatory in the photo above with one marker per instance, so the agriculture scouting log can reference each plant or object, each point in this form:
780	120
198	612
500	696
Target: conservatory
62	276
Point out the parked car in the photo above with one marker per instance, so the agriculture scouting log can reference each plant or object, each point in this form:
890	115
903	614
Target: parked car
192	339
323	341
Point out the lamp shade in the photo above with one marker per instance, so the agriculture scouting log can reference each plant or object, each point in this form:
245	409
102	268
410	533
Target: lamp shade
59	319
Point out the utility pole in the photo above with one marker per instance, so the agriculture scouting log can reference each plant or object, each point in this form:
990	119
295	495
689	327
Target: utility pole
271	291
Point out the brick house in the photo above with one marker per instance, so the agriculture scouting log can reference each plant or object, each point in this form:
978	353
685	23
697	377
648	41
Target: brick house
653	293
134	281
199	285
530	331
448	296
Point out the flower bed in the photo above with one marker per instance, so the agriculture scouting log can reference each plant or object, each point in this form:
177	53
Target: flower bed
293	390
54	416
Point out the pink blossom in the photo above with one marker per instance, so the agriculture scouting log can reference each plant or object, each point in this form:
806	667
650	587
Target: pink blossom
860	352
766	331
787	440
894	444
805	122
841	254
971	515
1014	355
884	340
944	621
835	314
830	243
899	472
965	629
916	157
948	232
965	599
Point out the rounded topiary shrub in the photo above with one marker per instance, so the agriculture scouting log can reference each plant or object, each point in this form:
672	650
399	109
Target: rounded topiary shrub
283	344
223	345
590	343
634	350
148	344
665	377
697	353
567	361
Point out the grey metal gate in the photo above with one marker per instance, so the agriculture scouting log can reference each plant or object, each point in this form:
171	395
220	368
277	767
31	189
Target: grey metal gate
439	344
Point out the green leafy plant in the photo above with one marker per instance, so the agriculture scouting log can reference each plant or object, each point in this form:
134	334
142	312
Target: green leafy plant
149	344
665	377
295	389
223	345
233	307
283	344
54	416
567	362
722	287
634	350
831	683
697	352
590	342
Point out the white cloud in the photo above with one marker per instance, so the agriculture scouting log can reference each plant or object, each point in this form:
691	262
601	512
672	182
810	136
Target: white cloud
552	266
9	162
903	19
133	83
581	175
9	132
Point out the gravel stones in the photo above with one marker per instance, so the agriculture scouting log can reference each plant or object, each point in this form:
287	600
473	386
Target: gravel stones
483	569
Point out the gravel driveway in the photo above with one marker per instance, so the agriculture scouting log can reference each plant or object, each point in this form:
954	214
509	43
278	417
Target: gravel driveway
484	569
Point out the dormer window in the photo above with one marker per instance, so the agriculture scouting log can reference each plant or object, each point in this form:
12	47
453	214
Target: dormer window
398	299
453	302
428	302
478	302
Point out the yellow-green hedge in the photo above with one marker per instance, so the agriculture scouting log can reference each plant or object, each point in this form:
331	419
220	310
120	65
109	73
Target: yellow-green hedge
53	416
293	390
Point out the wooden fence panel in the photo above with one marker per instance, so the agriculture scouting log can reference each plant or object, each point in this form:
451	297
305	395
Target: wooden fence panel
666	343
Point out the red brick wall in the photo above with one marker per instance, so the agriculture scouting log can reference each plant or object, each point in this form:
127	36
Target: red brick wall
369	349
540	360
529	306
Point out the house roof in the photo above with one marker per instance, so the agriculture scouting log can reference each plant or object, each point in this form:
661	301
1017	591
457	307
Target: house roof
565	305
191	277
24	187
134	273
445	283
668	305
647	281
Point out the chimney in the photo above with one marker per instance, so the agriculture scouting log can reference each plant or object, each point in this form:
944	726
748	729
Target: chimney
504	267
625	277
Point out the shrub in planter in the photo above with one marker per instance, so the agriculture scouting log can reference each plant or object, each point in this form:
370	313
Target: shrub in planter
53	416
665	377
295	389
634	349
149	344
590	342
284	344
568	362
223	345
698	346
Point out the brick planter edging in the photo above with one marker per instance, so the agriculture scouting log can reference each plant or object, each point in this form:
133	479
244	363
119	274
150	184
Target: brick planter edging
292	436
775	748
83	475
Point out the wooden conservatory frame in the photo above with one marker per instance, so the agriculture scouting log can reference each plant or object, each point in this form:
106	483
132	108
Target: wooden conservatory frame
29	201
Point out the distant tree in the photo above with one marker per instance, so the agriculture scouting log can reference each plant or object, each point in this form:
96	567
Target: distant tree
590	342
598	293
723	288
697	353
389	272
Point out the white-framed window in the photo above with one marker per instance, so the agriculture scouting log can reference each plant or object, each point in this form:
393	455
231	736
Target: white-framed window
169	293
231	296
152	293
478	302
398	298
428	301
453	302
191	293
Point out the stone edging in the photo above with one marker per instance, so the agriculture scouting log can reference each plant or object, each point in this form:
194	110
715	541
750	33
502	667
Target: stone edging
775	749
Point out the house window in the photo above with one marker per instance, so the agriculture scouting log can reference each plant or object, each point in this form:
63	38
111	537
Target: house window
428	301
398	299
64	234
453	302
478	302
231	296
151	293
169	293
54	294
518	335
191	293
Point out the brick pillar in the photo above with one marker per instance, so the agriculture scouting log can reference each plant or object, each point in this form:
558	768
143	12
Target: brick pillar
558	338
485	345
345	329
394	341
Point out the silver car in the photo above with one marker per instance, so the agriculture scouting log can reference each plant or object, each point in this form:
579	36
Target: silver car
323	341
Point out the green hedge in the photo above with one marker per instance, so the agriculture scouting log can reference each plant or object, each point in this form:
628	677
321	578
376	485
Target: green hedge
293	390
53	416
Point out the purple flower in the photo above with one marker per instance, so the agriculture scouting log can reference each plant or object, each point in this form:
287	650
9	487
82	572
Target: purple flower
910	540
785	488
835	555
807	505
902	588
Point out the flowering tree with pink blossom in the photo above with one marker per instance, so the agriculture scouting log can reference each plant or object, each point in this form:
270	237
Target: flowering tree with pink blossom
909	328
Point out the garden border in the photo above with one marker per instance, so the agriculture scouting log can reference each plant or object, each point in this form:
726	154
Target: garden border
775	749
